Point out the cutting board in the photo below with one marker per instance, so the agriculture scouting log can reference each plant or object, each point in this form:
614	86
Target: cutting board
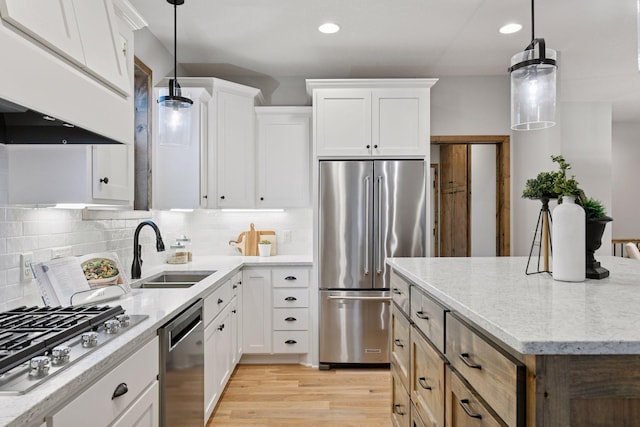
247	242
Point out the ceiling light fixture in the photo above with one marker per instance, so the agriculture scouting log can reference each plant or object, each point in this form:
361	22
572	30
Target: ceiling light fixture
510	28
533	85
174	117
329	28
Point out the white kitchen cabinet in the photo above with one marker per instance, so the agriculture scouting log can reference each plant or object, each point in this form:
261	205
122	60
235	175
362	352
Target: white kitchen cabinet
86	174
236	319
256	301
86	33
97	406
371	118
180	171
218	353
276	310
283	161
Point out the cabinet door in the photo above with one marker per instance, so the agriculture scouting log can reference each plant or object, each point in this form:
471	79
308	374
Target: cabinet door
52	23
400	404
144	412
104	49
427	381
464	409
217	364
283	161
234	318
400	345
237	282
236	150
256	311
400	122
111	172
343	122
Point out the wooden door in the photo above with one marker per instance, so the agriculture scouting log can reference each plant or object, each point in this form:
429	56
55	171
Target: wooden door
454	200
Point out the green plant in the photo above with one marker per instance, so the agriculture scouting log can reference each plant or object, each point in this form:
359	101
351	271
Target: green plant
594	208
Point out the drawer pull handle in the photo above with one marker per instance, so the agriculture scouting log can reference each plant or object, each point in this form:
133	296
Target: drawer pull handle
121	389
291	278
465	406
398	343
291	342
234	286
396	291
422	315
220	301
423	383
291	299
221	327
396	409
290	319
234	311
465	359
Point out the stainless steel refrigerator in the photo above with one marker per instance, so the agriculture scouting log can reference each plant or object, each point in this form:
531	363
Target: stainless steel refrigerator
369	210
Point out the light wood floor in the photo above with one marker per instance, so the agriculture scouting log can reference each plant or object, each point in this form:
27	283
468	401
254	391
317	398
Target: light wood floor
295	395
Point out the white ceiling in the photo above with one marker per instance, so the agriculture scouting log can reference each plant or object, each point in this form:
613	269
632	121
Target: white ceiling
597	40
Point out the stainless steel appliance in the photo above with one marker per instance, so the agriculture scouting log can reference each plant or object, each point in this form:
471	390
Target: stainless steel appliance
369	210
38	342
182	369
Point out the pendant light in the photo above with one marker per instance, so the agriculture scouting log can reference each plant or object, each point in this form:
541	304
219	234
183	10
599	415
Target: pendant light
533	85
174	115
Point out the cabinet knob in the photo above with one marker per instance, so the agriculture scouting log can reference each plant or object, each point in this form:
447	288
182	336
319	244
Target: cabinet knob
290	278
290	342
375	146
368	146
220	301
234	311
290	299
204	196
121	389
290	319
222	197
261	198
221	327
105	180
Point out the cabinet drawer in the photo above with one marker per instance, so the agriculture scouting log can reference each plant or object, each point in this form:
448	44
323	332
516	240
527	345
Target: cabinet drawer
290	278
290	319
400	404
290	341
464	408
427	380
400	345
497	377
290	298
428	316
214	303
137	372
400	292
416	420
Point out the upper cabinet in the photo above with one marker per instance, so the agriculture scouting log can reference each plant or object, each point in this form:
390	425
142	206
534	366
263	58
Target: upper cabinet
371	117
180	170
84	32
283	160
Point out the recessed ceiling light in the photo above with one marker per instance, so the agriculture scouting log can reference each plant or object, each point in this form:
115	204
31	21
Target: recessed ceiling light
329	28
510	28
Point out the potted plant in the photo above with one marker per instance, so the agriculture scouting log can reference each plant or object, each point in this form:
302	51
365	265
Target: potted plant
264	248
554	185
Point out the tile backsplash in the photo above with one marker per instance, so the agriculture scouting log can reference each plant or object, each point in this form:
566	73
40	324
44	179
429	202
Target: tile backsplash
39	230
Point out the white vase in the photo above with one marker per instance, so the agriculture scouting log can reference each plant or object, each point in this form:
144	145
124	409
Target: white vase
568	239
264	249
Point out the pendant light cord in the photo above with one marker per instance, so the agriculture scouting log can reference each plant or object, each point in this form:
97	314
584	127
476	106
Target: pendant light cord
533	25
175	40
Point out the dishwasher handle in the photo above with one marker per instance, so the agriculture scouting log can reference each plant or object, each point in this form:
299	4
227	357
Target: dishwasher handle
181	326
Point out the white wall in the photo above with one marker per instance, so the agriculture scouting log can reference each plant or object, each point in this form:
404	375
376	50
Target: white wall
626	179
483	200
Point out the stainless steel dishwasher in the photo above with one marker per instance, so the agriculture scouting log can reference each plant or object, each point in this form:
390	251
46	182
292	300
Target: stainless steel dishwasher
182	369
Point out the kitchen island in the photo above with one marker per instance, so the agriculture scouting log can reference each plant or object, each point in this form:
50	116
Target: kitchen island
160	305
569	352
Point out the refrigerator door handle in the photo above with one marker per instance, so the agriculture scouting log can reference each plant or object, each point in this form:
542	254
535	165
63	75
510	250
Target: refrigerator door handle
367	183
380	246
360	298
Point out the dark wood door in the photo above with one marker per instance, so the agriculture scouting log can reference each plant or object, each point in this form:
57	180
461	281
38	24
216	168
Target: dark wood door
454	200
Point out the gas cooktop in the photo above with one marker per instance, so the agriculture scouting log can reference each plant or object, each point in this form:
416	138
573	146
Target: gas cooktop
38	342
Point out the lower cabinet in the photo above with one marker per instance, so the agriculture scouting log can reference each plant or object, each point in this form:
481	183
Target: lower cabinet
96	405
275	317
427	381
400	403
464	408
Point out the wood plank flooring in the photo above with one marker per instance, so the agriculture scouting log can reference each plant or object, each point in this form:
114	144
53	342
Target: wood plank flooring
295	395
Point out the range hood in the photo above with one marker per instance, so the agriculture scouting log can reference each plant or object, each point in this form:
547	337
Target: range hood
21	125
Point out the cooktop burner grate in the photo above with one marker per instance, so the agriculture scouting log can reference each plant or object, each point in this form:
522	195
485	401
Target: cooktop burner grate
26	332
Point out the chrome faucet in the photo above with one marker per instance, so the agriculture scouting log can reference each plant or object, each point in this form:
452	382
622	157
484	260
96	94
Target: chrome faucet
136	267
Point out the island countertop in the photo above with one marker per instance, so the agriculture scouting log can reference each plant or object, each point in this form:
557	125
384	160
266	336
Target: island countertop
534	314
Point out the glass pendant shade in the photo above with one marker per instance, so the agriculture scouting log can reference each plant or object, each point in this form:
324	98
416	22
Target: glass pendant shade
174	120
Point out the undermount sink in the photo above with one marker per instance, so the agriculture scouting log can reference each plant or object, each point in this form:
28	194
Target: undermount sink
173	279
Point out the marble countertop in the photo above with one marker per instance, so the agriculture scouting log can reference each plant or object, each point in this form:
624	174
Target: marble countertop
159	304
535	314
